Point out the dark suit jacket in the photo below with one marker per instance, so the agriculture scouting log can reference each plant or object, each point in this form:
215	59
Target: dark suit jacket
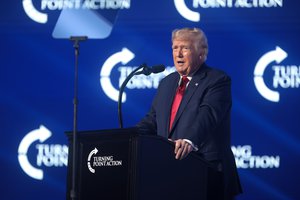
203	118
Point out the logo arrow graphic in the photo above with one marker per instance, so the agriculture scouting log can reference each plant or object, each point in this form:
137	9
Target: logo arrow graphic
40	134
185	12
124	57
276	55
93	152
33	13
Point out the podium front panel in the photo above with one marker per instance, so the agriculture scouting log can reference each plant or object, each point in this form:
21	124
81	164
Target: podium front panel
103	172
162	177
124	165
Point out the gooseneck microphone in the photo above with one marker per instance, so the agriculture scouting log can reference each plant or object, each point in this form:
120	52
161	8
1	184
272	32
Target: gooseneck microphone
149	70
146	71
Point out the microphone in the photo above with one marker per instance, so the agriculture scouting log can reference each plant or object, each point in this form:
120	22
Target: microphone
146	71
149	70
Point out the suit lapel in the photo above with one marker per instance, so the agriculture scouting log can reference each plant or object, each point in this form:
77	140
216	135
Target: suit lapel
190	90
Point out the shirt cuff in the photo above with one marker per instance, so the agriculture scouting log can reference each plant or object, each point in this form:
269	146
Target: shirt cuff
195	148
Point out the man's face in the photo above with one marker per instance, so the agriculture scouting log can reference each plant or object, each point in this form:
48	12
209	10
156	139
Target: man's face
185	57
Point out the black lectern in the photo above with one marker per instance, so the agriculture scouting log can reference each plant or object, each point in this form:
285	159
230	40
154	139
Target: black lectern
123	164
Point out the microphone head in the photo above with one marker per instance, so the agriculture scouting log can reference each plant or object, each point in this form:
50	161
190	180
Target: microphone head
149	70
157	69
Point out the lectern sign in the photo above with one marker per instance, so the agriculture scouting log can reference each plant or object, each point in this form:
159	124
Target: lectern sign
101	161
117	164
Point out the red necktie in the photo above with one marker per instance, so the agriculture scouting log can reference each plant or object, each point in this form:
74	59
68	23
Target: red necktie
178	98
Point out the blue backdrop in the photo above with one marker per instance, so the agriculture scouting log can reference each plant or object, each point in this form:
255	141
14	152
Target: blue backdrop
255	42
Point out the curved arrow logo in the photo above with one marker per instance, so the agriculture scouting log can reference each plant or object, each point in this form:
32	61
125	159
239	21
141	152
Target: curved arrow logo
124	57
41	135
93	152
277	55
185	12
33	13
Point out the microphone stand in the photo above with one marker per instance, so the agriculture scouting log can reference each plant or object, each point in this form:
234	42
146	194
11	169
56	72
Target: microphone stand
75	40
122	90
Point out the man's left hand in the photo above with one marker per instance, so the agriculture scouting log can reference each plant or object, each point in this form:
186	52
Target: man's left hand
182	149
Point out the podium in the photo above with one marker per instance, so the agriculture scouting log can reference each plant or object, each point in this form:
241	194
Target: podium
124	164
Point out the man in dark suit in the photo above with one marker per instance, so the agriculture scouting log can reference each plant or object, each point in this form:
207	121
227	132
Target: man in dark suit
192	108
